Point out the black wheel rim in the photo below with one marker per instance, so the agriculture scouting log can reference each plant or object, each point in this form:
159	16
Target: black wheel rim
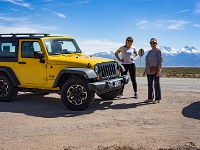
3	88
77	94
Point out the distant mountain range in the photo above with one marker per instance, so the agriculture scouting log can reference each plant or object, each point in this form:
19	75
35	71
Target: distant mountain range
185	57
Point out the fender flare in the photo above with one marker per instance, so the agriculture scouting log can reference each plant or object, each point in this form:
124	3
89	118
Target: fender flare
86	72
10	74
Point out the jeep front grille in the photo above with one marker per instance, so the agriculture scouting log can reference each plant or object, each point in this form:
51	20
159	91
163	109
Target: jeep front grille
108	70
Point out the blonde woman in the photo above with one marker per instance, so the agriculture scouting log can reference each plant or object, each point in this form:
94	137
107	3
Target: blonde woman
129	55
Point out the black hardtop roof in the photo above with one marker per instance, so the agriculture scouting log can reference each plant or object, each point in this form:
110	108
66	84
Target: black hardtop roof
24	35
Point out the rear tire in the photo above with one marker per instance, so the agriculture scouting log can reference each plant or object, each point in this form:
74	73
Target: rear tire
8	91
110	95
75	94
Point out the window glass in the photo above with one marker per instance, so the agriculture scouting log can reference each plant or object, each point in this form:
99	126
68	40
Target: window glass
7	49
36	47
29	47
61	46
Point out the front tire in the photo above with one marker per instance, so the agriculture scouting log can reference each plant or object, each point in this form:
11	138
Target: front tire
75	94
8	91
110	95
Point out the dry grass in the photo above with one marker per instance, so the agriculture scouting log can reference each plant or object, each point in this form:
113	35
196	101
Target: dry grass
114	147
176	72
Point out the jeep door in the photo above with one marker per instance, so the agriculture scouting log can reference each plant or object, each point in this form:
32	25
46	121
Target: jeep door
31	70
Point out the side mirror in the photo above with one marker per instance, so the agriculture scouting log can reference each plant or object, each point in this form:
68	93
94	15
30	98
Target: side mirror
38	55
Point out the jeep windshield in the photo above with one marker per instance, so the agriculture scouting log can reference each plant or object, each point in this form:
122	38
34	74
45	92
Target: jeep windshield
61	46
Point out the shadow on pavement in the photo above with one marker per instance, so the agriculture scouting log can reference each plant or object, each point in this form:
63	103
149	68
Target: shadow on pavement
192	111
49	106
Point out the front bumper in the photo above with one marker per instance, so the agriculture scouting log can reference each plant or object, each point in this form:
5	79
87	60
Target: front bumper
108	85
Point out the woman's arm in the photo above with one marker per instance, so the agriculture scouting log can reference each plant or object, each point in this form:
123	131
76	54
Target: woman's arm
136	55
116	55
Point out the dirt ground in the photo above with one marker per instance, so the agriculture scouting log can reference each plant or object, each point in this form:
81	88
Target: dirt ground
42	122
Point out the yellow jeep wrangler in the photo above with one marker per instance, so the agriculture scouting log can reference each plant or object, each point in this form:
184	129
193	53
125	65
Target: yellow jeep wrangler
33	62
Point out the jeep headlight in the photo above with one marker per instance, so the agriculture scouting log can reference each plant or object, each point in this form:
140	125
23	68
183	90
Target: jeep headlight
96	69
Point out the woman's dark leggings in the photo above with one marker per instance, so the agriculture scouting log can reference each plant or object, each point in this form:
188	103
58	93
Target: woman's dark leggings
132	71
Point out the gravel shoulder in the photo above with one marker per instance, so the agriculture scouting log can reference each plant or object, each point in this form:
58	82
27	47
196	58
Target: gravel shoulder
35	121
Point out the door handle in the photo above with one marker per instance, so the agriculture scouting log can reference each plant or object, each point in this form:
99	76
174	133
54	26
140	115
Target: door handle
22	62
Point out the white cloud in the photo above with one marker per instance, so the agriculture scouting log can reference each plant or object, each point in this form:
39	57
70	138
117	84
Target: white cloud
14	9
83	2
22	24
28	28
162	24
97	45
19	2
18	29
10	19
183	11
196	25
79	2
47	0
56	13
59	14
197	9
177	24
142	24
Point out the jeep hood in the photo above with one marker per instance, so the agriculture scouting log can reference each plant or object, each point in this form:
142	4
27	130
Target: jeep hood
74	60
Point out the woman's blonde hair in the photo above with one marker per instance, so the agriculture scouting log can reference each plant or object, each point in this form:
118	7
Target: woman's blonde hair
128	38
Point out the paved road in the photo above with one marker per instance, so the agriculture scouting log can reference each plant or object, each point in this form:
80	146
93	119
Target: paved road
182	84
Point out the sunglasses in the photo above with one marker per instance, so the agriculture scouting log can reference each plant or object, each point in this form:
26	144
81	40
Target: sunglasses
153	43
129	41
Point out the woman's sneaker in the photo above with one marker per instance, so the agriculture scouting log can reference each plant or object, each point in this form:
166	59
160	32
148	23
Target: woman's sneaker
120	95
136	96
156	101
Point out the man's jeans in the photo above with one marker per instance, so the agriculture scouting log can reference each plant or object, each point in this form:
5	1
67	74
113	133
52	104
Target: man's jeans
152	78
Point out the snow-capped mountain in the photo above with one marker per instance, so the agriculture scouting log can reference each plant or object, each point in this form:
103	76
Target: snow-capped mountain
173	51
186	56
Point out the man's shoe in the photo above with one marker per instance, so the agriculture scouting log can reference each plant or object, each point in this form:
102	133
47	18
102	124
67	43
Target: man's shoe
136	96
148	100
120	95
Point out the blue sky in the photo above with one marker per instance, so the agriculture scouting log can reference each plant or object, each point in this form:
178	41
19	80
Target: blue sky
103	25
